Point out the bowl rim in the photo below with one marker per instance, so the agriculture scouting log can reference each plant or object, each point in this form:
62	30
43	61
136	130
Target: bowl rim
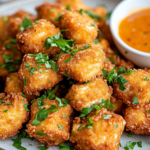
116	35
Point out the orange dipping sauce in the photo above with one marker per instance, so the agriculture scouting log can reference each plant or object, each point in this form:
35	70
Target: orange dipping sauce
134	30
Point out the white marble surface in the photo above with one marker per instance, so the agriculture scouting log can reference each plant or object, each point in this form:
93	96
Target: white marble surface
29	5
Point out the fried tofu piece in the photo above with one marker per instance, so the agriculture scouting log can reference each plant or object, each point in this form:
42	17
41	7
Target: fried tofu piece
138	119
32	40
83	66
87	94
12	86
96	132
78	27
75	4
119	106
50	12
137	92
56	127
12	114
10	24
9	59
38	80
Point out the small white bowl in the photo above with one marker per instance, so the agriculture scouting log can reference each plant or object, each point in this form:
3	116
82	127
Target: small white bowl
122	10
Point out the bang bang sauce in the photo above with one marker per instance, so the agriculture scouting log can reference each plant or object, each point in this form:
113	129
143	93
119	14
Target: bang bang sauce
134	30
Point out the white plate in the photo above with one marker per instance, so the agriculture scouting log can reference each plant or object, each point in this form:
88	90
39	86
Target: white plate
29	5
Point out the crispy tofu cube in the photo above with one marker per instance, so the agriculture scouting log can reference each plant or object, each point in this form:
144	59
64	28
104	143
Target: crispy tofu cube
101	130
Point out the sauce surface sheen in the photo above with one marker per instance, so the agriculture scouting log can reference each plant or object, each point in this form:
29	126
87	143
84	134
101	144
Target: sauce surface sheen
134	30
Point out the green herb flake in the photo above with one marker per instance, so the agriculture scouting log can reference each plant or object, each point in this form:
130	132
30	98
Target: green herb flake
96	41
23	94
42	147
139	144
106	117
1	101
5	19
130	145
5	110
135	100
26	107
51	10
145	43
99	32
146	79
41	133
148	111
120	145
66	74
65	147
65	116
73	134
60	126
8	46
25	81
67	7
112	60
115	126
80	127
81	11
66	61
7	103
108	15
22	100
59	17
92	15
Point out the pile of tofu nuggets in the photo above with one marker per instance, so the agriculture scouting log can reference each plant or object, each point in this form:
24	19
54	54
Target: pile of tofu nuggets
65	80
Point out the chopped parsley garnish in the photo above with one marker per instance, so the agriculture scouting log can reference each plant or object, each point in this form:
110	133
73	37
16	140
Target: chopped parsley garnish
112	60
60	126
51	10
8	46
145	43
5	19
115	76
59	17
65	147
41	133
67	7
108	15
66	61
99	32
130	145
86	82
23	94
1	101
26	107
22	100
66	74
120	145
65	116
80	127
17	142
26	24
146	79
93	24
106	117
43	114
92	15
135	100
82	12
96	41
25	81
62	103
73	134
13	41
5	110
90	124
7	103
115	126
139	144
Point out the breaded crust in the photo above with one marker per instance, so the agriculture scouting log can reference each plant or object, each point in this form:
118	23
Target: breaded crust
11	120
50	12
83	66
11	27
138	119
135	87
105	134
39	81
49	126
12	86
85	95
32	40
78	27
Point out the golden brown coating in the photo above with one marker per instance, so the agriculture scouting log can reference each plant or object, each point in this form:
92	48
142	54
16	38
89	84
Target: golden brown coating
49	126
135	87
12	116
12	86
78	27
50	12
105	134
85	95
9	59
10	27
41	79
118	105
32	40
75	4
83	66
138	119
